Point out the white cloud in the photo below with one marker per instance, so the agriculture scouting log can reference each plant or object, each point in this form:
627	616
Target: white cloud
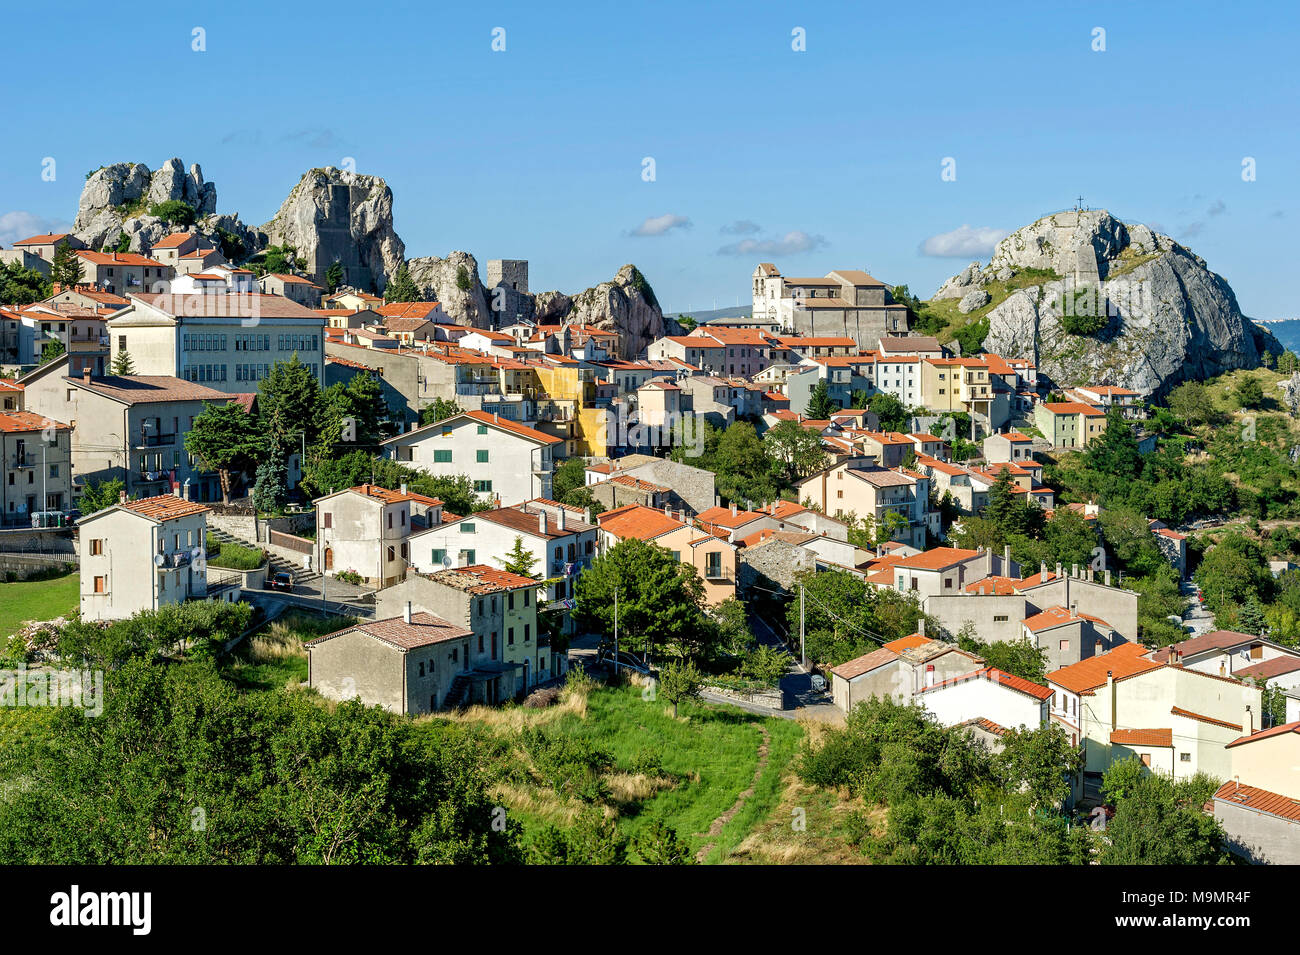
791	243
661	225
16	226
741	227
963	243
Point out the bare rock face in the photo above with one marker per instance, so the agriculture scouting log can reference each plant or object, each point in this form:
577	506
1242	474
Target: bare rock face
442	280
336	216
115	201
626	305
1152	314
972	300
962	283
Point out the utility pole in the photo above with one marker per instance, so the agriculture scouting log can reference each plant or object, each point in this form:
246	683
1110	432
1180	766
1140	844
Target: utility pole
803	655
615	634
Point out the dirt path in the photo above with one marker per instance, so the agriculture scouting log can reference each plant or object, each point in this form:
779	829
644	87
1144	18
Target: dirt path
715	830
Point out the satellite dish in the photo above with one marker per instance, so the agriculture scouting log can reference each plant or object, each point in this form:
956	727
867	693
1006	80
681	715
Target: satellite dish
158	559
446	561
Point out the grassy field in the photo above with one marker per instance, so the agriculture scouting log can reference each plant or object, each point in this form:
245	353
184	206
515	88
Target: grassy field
720	771
26	600
274	657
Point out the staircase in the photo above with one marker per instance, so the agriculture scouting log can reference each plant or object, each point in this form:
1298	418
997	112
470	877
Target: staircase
275	565
456	693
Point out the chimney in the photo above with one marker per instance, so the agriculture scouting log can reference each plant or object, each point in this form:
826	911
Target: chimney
1042	569
929	674
668	511
406	613
121	497
1114	709
1247	722
403	489
920	626
1074	571
1107	578
541	521
734	512
85	374
1006	560
559	519
586	516
1058	568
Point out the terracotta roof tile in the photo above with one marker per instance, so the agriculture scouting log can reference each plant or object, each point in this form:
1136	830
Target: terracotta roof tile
424	630
1261	800
1144	737
165	507
1281	730
1125	660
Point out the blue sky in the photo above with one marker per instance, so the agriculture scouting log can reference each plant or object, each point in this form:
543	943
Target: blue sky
818	159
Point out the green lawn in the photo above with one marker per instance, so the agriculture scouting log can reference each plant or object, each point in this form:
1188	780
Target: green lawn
274	658
37	600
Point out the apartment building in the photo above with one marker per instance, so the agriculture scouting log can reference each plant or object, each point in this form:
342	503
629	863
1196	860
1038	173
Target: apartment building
35	469
224	340
897	499
713	558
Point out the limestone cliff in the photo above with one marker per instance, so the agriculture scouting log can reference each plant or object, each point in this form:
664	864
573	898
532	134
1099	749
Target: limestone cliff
1092	300
337	216
626	305
116	200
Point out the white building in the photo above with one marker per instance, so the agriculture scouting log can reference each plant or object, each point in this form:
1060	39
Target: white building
507	462
140	555
1009	701
366	530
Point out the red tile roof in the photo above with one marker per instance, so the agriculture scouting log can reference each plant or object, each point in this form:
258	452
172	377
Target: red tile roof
1269	669
1188	714
937	558
12	422
865	663
907	642
165	507
1159	737
1215	640
1281	730
424	630
1260	800
636	520
1125	660
1001	677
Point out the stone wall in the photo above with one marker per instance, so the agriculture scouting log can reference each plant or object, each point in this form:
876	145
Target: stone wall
772	699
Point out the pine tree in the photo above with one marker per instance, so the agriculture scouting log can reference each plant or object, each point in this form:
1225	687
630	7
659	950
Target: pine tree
66	268
402	288
122	364
334	276
519	560
820	405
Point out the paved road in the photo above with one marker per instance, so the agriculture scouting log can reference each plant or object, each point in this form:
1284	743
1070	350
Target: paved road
306	599
1197	617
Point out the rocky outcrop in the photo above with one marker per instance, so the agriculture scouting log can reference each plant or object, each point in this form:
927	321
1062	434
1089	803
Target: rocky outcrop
1117	304
441	280
972	300
116	200
626	305
337	216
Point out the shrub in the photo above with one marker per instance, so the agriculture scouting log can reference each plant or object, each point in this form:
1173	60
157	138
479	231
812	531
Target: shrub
174	212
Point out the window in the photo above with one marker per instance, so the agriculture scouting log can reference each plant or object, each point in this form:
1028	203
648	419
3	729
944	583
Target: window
467	527
442	456
1065	645
482	429
483	487
391	554
97	547
1000	618
510	636
327	520
510	600
528	632
469	557
437	555
526	598
481	456
101	585
421	669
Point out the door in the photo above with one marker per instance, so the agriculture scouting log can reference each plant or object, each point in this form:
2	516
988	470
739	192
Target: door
329	558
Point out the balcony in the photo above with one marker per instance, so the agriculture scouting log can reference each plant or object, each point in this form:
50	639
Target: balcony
151	477
22	461
173	561
149	440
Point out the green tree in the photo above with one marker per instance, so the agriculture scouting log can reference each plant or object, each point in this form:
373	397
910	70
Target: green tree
891	412
1192	403
1115	451
440	410
402	288
680	681
122	363
794	451
1018	657
660	599
1070	538
1153	826
287	401
52	350
334	276
820	406
66	269
519	559
270	486
971	336
1041	762
22	286
174	212
96	497
1250	394
225	439
463	281
658	844
742	466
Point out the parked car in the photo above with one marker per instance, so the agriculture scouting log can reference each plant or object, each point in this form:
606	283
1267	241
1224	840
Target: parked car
281	581
818	683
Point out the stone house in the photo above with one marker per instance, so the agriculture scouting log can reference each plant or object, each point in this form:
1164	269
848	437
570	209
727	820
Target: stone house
366	530
512	654
293	287
411	664
899	670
